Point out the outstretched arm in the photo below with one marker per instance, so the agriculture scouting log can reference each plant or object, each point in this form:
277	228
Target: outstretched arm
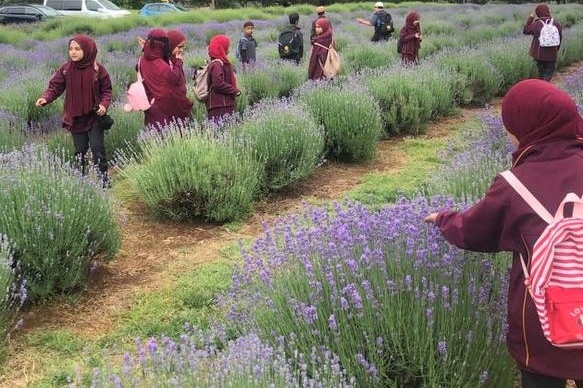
364	21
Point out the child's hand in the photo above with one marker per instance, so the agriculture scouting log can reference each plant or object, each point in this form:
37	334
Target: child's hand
101	110
40	102
418	35
431	218
141	42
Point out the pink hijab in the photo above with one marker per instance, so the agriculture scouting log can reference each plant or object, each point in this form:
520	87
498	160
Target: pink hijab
536	112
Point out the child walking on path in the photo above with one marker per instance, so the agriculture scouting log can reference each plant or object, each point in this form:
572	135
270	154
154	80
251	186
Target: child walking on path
544	123
410	38
222	82
87	88
545	57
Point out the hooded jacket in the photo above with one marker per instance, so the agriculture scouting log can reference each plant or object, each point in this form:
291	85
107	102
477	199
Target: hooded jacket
548	161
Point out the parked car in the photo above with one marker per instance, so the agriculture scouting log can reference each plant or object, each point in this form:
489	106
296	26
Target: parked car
26	13
152	9
91	8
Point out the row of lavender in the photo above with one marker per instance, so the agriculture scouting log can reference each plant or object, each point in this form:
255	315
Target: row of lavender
350	297
344	296
279	142
77	222
343	120
22	78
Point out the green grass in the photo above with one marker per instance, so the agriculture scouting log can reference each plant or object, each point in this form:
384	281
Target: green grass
58	341
189	299
191	296
420	159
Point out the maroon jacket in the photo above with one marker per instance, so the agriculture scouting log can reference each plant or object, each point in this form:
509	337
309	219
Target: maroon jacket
166	84
533	27
502	221
221	90
320	44
61	82
410	43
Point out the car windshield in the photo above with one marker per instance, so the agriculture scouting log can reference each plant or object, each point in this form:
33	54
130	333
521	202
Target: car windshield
180	7
109	5
47	10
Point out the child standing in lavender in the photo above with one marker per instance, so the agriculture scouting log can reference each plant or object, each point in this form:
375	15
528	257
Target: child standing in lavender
247	45
87	97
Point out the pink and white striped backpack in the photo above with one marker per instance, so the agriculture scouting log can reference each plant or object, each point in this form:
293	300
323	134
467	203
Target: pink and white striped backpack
555	282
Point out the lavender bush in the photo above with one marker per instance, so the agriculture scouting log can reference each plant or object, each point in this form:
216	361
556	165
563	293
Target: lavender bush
410	97
12	291
484	80
12	133
573	84
286	141
57	221
200	359
182	173
351	119
467	174
383	291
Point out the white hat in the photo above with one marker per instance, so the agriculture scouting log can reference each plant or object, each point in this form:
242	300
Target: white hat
379	4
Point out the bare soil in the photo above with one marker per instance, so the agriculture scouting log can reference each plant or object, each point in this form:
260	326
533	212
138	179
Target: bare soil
154	251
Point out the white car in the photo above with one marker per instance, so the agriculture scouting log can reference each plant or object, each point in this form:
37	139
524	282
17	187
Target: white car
91	8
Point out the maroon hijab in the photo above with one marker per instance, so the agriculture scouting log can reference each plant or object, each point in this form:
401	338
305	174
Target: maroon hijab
542	11
175	37
325	38
156	45
326	35
409	27
80	96
537	112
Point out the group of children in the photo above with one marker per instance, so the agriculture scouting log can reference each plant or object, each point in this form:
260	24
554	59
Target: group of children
542	120
89	91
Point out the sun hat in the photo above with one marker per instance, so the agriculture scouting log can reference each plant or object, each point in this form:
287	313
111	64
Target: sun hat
379	4
320	9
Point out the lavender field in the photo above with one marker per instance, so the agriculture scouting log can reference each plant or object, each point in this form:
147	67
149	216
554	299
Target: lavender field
337	295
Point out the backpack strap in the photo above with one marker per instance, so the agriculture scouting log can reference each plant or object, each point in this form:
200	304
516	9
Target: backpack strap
534	203
577	206
528	197
321	45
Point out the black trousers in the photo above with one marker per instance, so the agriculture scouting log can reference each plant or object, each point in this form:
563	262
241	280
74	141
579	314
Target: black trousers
531	380
95	138
546	69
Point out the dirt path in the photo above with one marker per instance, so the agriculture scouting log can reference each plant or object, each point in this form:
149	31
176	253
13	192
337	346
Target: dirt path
153	252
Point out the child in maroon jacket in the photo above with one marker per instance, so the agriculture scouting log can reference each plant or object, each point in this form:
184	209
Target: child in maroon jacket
163	76
544	123
322	40
88	95
222	80
410	36
545	57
